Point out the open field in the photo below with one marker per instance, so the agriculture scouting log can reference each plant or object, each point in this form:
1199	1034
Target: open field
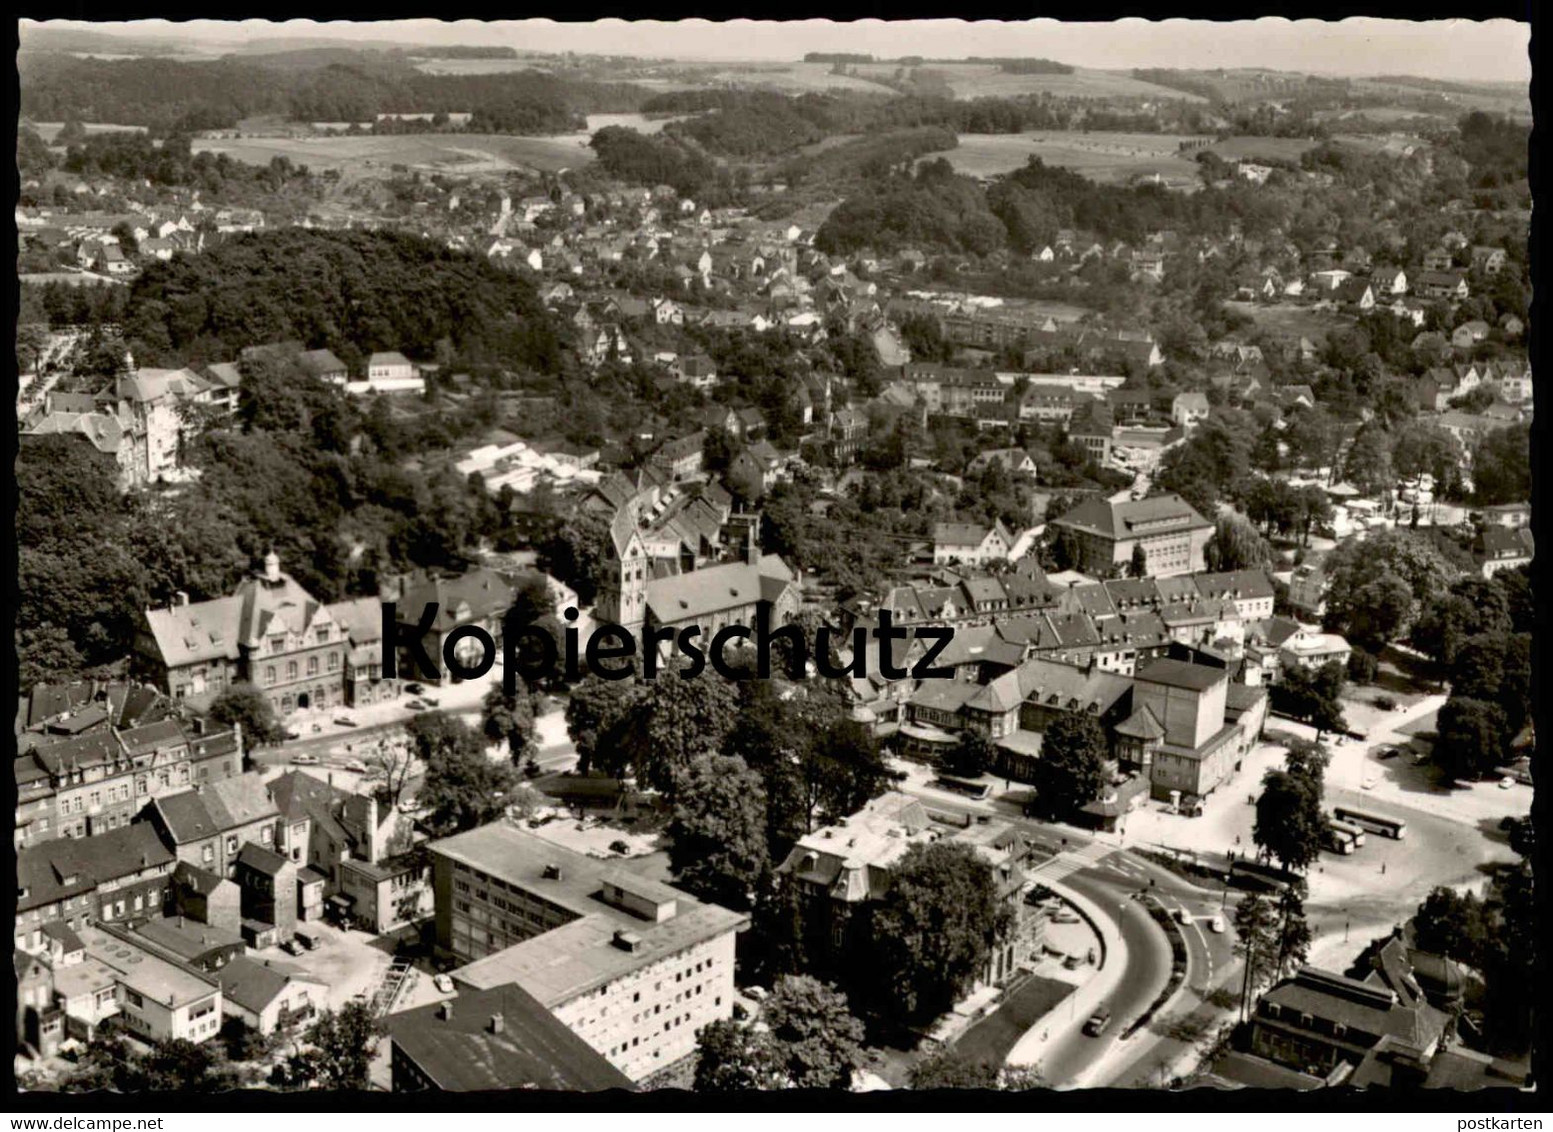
451	153
1276	149
1290	319
48	131
1109	158
985	80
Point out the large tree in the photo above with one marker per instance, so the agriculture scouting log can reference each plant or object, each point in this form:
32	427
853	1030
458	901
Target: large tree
717	838
463	787
971	757
1501	466
1236	544
1473	605
805	1038
245	706
1496	667
339	1050
510	719
818	1041
1289	820
1354	566
593	707
735	1057
933	931
1471	738
665	728
1452	924
1071	770
1368	464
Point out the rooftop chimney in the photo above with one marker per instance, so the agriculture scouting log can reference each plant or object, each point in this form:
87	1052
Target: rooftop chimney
498	1023
183	598
445	1011
272	567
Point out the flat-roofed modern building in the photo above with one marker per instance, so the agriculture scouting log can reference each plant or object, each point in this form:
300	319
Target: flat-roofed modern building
494	1039
632	966
159	1000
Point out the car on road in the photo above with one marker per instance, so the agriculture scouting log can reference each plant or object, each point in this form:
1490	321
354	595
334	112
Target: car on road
357	766
416	705
1098	1021
1387	753
345	721
1183	916
1064	916
759	994
428	701
1073	962
1216	925
304	759
292	736
443	983
414	689
409	806
1506	782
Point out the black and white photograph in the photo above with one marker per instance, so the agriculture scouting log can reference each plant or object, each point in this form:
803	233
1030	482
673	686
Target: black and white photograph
728	559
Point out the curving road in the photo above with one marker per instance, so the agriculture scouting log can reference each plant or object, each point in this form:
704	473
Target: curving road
1071	1057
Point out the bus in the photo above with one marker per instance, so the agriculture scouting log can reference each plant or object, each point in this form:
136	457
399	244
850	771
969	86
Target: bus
1244	873
1335	840
1385	827
971	789
1354	833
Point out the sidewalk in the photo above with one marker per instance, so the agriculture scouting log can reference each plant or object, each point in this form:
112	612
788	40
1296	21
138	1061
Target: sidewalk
1031	1048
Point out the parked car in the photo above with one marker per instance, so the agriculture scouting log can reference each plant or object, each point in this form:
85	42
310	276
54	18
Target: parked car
307	940
345	721
1183	916
408	806
1064	916
304	759
414	689
1506	782
759	994
1387	753
292	736
416	705
428	701
357	766
291	947
443	983
1098	1021
1216	925
1073	962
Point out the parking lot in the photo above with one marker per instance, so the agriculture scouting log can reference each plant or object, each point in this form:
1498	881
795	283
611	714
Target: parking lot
350	962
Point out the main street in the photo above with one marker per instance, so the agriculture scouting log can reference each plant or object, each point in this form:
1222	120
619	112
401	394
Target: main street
1112	880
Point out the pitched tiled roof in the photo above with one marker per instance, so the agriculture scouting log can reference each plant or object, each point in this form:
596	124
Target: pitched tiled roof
1130	518
53	870
260	859
484	591
201	631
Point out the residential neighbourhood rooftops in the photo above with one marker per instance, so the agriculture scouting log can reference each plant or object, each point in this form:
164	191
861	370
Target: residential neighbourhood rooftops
254	984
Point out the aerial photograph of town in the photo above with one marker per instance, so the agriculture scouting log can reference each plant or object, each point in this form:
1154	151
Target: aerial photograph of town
917	555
